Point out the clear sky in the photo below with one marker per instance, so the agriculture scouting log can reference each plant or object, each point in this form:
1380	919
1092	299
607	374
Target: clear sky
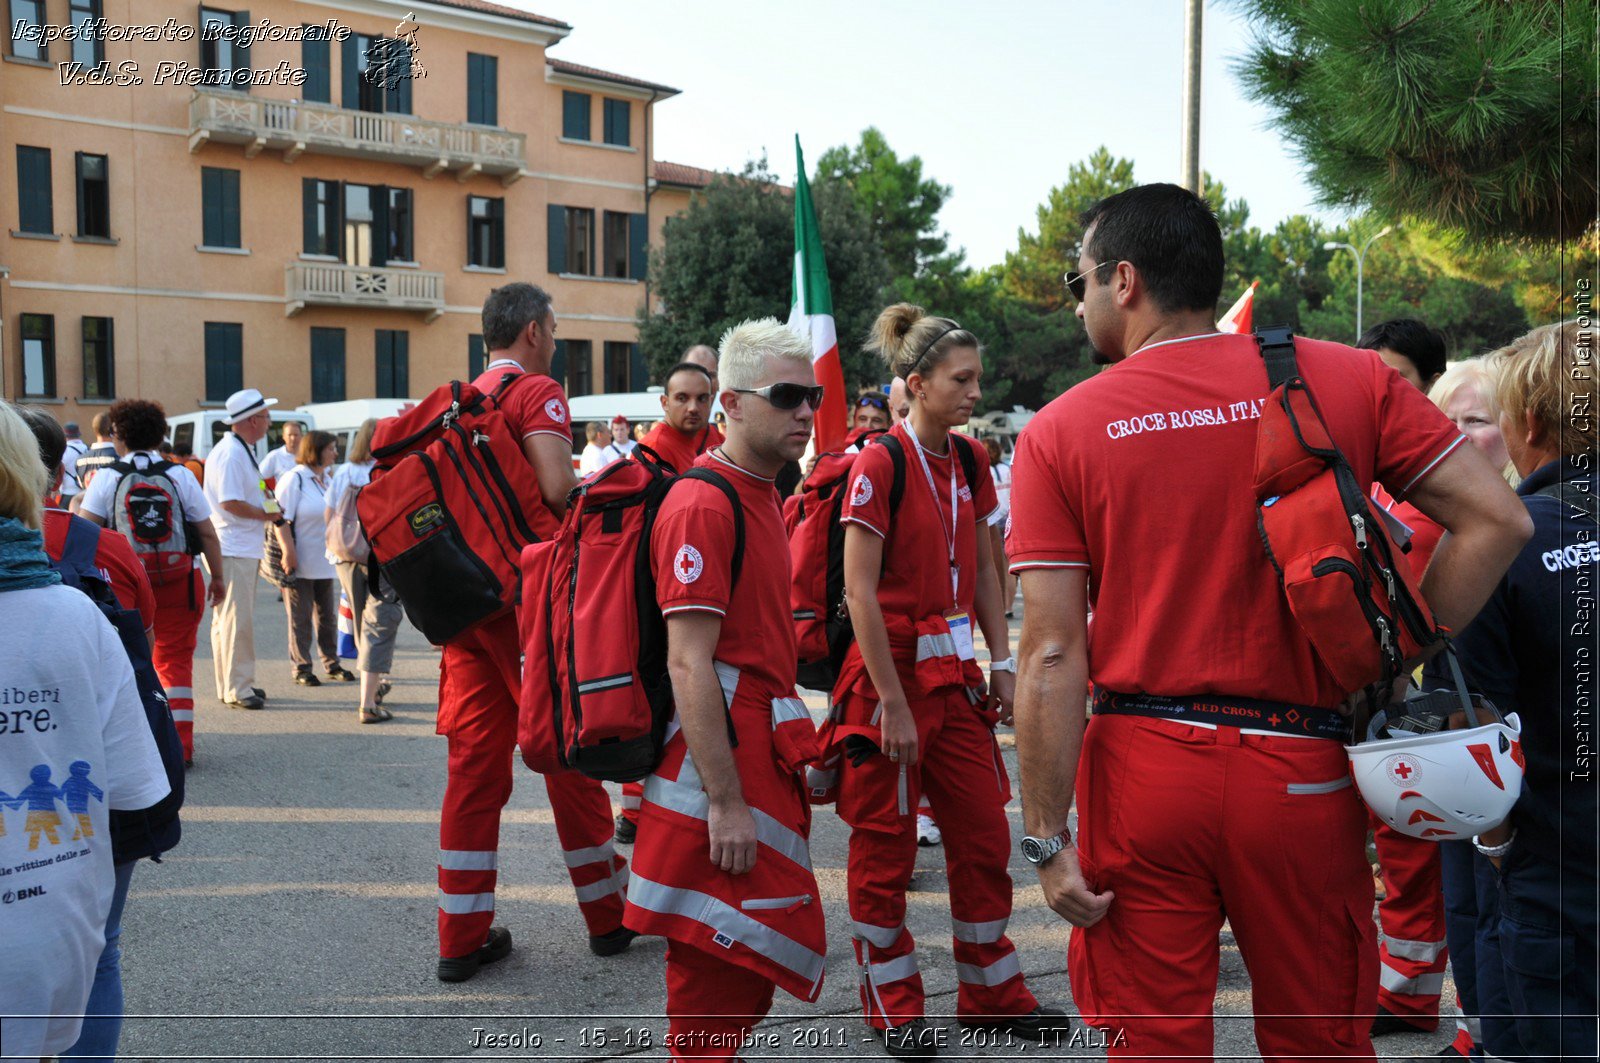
998	98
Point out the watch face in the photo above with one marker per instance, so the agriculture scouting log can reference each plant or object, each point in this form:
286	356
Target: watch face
1032	850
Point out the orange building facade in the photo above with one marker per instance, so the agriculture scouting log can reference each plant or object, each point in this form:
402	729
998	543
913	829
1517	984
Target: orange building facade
309	198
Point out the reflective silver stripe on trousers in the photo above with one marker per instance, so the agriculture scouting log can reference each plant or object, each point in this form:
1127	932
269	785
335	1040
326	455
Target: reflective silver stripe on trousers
1423	985
465	903
1332	786
468	859
180	692
630	801
592	855
605	683
788	710
978	933
183	716
935	646
1416	951
883	937
598	891
692	801
726	919
893	970
1001	970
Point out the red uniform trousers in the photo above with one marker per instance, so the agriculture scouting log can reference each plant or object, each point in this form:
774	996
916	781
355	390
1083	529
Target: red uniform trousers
1190	825
964	778
178	608
1412	953
632	795
478	680
710	1003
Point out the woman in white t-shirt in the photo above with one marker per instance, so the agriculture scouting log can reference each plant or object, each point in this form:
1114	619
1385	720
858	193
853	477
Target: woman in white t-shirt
302	495
77	734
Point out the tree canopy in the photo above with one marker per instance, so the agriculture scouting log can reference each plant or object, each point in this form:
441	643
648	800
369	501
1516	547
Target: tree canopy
1477	116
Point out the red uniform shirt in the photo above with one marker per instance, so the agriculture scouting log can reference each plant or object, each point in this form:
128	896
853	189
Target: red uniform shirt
1143	475
916	550
676	448
535	407
691	552
115	556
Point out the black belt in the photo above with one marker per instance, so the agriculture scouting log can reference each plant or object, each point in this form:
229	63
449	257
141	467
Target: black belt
1281	717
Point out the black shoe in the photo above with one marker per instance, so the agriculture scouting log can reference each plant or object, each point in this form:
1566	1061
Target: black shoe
627	830
612	943
252	702
307	679
341	674
1387	1022
914	1040
1040	1024
460	968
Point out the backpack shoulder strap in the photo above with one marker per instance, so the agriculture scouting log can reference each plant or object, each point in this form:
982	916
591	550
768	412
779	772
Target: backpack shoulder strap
897	457
1277	350
121	466
80	546
1585	502
708	476
969	459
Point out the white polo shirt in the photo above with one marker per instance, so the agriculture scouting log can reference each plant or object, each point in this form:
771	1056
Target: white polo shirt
101	493
232	476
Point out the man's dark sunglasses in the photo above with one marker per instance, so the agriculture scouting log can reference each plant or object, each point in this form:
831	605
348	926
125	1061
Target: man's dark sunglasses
874	400
787	396
1077	282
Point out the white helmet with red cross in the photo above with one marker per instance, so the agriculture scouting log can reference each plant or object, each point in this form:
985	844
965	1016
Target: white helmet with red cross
1435	784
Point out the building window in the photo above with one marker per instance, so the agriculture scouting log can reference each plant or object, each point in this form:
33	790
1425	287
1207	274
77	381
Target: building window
624	368
99	359
580	368
486	232
223	59
580	241
476	359
35	209
575	115
398	223
89	48
360	201
617	113
483	89
393	368
317	60
327	365
626	245
224	359
94	196
320	216
27	23
38	356
377	74
219	207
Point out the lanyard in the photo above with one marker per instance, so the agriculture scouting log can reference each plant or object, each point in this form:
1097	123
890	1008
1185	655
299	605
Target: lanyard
949	533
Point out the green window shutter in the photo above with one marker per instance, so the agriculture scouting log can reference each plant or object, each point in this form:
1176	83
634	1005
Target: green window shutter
556	238
241	55
397	91
327	365
475	356
35	204
558	363
350	72
230	208
575	115
308	215
497	213
638	371
617	115
210	207
638	245
315	57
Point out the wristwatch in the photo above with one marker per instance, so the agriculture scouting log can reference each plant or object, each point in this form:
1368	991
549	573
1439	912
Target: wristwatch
1494	852
1007	665
1038	851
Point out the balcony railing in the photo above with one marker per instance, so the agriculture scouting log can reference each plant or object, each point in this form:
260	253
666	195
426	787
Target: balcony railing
295	127
380	287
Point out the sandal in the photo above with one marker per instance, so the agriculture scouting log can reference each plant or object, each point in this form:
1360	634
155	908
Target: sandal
376	714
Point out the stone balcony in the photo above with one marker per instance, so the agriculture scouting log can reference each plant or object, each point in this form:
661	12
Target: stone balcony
378	287
295	127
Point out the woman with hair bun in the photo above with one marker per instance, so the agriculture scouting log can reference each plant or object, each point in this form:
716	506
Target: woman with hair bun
911	713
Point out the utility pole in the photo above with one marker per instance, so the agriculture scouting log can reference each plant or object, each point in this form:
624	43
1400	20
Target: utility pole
1191	97
1361	259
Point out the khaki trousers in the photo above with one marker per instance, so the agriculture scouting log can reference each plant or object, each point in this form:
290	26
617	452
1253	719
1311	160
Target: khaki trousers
233	633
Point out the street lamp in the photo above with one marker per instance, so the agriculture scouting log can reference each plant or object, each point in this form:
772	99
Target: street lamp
1361	256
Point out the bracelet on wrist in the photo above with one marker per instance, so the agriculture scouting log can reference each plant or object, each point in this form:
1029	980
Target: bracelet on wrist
1494	852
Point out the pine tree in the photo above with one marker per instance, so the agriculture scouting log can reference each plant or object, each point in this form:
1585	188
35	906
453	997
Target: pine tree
1478	116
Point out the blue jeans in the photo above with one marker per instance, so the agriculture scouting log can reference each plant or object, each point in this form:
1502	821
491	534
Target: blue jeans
1548	943
1472	928
102	1024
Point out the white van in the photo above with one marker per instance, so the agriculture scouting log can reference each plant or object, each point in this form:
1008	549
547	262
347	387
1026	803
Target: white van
202	429
639	407
344	419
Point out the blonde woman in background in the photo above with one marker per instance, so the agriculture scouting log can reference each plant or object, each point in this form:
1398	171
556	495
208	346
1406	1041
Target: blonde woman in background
1465	392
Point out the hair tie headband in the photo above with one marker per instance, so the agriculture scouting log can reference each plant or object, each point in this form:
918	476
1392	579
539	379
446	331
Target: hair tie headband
931	344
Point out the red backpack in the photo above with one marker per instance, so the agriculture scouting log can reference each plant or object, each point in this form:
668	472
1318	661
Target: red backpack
451	505
595	692
823	632
1336	562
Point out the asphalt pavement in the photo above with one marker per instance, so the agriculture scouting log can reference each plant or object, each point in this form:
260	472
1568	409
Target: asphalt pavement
297	918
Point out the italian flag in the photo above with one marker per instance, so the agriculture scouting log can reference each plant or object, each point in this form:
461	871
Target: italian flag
811	314
1241	316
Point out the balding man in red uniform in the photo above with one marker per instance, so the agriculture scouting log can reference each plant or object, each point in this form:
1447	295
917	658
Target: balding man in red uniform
1138	483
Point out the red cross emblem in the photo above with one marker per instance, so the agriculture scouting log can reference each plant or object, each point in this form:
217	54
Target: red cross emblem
688	564
1402	770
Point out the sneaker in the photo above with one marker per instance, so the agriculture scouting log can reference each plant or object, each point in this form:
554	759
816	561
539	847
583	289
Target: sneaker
461	968
341	674
252	702
1387	1022
307	678
627	830
913	1040
1040	1024
927	830
610	944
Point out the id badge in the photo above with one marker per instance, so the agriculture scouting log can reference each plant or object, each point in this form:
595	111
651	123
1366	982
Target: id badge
961	632
269	504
